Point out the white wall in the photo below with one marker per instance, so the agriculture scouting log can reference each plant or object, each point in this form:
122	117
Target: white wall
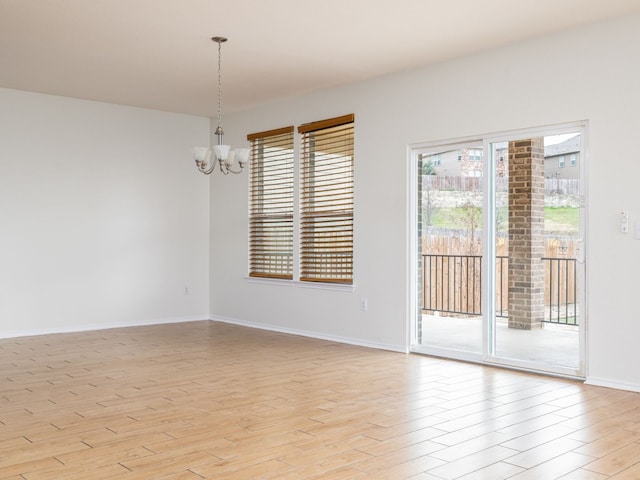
590	74
103	217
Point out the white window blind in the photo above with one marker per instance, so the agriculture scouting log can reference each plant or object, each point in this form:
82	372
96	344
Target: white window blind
326	200
271	204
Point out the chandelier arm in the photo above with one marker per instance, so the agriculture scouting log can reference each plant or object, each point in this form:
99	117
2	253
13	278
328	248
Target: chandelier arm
234	171
225	169
202	166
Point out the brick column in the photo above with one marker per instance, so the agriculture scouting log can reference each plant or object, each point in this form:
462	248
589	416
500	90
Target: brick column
526	228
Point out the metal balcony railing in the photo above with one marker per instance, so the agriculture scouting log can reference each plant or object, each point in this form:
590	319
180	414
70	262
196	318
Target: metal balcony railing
452	284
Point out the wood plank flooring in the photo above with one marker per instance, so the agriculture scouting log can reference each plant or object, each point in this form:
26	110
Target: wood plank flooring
205	400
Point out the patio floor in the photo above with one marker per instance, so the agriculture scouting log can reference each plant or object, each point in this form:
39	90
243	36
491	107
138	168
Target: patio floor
553	345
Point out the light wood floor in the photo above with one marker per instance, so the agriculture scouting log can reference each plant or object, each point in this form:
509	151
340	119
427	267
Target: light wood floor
209	400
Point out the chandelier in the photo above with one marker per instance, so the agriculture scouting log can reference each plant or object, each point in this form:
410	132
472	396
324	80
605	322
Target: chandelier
226	158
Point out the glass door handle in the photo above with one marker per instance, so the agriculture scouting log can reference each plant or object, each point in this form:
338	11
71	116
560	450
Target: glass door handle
579	253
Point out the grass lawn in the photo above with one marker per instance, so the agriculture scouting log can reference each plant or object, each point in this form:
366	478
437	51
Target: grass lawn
562	218
556	219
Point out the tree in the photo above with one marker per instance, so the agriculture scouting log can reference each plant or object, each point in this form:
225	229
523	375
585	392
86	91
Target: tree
469	217
428	168
429	208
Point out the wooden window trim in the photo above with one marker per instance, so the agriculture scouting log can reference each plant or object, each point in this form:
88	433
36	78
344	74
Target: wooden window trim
328	123
270	133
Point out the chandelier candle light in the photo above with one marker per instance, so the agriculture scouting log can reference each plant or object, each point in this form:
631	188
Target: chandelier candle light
226	157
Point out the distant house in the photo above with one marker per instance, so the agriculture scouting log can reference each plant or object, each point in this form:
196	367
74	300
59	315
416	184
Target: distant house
561	160
466	162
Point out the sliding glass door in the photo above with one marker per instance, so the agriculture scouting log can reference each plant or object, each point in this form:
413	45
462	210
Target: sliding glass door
498	249
535	257
450	244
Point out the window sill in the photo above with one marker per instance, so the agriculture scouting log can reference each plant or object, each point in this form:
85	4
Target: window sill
336	287
270	281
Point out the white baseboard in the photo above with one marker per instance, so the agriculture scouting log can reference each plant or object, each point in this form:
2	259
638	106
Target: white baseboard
605	382
92	327
309	334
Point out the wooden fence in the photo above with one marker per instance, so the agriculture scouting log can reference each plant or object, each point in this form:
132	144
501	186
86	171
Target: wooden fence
451	278
552	186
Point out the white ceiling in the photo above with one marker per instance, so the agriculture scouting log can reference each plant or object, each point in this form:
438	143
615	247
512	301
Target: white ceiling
158	53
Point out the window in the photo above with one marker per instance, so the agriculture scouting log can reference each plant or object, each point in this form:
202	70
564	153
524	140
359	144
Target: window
561	161
271	204
475	155
572	160
326	201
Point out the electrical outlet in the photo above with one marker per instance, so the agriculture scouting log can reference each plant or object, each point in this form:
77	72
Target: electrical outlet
624	223
364	304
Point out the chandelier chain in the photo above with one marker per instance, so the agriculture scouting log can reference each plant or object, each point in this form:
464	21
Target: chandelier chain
219	84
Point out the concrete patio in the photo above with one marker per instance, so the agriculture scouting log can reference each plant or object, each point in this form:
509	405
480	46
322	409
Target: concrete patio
552	345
